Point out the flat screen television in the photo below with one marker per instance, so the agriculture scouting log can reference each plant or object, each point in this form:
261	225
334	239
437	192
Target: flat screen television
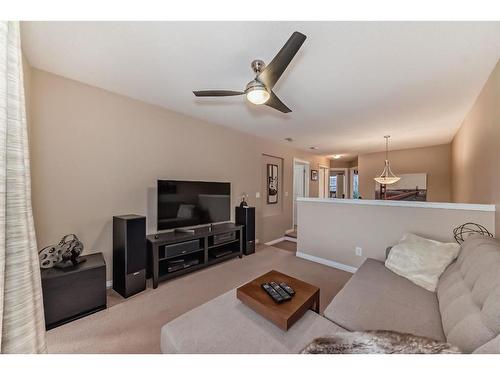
191	203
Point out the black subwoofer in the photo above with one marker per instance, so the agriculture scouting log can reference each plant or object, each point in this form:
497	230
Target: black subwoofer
246	216
129	254
74	292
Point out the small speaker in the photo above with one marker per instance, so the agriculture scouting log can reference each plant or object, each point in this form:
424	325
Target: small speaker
129	254
246	216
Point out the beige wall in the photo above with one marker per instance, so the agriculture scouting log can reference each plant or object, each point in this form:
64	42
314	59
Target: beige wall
331	230
476	150
96	154
434	160
339	163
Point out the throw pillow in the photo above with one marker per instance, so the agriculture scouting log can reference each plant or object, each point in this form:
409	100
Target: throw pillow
421	260
377	342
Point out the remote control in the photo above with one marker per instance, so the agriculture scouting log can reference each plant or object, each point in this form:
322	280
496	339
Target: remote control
280	290
287	288
274	294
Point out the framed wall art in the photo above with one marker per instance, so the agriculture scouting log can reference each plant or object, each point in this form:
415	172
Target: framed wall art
272	184
411	187
314	175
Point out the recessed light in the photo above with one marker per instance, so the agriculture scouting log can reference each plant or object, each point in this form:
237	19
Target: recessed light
288	139
337	156
313	148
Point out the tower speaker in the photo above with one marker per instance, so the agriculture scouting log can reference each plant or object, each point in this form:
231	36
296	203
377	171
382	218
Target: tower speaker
129	254
246	216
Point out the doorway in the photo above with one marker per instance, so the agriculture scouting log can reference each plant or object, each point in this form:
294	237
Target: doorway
301	170
339	183
354	183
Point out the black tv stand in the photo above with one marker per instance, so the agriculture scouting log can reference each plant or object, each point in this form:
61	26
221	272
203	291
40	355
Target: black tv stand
185	230
171	254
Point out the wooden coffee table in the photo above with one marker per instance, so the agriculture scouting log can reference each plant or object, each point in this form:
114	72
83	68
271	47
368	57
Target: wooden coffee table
285	314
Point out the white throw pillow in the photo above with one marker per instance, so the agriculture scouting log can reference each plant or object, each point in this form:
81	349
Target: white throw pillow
421	260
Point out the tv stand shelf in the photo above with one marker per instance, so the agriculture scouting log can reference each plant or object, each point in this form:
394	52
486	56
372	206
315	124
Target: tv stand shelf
159	261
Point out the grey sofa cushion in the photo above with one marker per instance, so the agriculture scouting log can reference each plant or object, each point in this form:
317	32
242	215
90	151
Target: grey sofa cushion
492	346
226	325
375	298
469	295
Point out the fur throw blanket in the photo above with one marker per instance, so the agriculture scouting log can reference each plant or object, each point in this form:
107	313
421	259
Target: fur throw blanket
377	342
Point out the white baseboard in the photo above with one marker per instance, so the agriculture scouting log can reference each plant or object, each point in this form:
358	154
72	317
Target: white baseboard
289	230
326	262
291	239
275	241
109	284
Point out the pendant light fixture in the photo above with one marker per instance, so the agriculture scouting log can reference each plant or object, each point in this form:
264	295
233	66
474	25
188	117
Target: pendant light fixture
387	177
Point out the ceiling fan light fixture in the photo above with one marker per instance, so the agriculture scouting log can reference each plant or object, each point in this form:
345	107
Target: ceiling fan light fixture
260	89
257	95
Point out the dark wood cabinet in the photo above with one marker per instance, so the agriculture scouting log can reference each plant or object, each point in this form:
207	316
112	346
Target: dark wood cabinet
72	293
171	254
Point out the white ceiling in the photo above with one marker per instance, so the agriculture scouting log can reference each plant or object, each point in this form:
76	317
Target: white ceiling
350	84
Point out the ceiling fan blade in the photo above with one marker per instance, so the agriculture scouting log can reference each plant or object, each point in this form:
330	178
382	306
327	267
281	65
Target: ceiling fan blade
272	72
217	93
276	103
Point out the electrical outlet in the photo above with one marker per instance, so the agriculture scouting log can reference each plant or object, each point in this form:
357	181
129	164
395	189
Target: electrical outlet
359	251
257	194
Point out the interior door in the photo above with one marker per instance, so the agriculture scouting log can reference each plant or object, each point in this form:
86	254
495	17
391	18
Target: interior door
321	183
298	187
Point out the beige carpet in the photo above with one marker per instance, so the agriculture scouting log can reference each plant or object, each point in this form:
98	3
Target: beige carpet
287	245
133	325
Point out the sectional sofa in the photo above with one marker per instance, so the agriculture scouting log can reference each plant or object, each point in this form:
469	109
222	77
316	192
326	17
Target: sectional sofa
465	311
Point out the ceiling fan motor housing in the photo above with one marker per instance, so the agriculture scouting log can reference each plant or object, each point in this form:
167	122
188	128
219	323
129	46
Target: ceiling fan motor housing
255	84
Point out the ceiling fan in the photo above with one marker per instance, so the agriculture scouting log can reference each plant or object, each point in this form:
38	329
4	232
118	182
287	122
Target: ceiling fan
260	90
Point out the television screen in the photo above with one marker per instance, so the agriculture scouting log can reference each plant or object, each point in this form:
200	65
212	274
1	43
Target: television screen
190	203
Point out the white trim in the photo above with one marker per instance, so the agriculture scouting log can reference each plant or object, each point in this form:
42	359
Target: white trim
109	284
326	262
277	240
287	238
307	178
297	160
369	202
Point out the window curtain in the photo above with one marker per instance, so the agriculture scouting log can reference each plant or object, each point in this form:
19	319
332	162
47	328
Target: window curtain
22	326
